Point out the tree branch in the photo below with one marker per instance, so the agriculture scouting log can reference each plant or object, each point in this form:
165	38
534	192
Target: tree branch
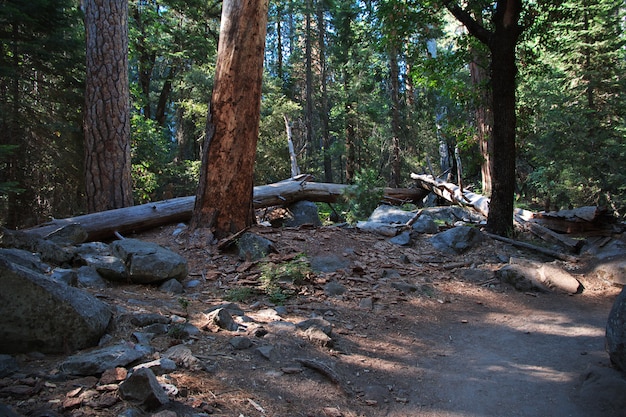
463	16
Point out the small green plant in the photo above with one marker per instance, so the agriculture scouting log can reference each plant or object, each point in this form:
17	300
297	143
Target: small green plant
364	196
278	280
239	294
183	302
177	332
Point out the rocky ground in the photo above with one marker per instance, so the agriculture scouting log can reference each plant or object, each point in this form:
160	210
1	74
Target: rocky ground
396	331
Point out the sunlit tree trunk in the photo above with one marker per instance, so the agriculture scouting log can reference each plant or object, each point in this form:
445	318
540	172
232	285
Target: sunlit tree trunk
107	106
224	197
479	73
321	24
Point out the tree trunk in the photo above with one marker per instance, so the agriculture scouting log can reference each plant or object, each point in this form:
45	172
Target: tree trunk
501	42
394	74
503	72
321	24
308	59
107	106
483	113
295	169
224	197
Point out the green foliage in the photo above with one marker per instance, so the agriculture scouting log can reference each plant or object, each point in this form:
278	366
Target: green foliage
273	163
571	108
280	281
364	196
239	294
41	73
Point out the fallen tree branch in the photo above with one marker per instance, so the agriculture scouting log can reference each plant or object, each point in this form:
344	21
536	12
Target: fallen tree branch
105	224
545	251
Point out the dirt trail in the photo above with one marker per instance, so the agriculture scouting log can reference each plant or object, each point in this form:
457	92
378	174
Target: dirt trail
462	345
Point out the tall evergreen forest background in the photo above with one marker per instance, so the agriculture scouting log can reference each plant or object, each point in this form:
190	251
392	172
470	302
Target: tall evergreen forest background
363	85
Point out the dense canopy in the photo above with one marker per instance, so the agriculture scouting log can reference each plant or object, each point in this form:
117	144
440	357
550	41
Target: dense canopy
371	90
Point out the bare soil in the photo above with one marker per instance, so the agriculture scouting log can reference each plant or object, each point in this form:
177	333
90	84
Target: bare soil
458	344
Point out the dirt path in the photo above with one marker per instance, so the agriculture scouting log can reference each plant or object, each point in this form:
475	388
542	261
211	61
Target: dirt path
460	345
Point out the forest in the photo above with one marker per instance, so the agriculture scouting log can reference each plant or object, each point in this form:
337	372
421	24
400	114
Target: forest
368	91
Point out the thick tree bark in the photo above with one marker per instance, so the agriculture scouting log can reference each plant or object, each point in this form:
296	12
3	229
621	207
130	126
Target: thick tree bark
501	43
224	196
107	106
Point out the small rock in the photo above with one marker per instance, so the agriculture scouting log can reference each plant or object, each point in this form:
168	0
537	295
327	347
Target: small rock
222	319
158	366
403	239
142	388
333	288
8	365
318	337
317	323
183	357
66	276
367	303
240	342
253	247
113	375
172	286
405	287
266	351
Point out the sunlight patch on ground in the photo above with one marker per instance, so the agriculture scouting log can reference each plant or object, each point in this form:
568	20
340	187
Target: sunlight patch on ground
533	371
550	324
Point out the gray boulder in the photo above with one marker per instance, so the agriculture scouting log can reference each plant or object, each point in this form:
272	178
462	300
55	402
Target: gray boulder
527	275
253	247
425	224
147	262
108	266
88	277
70	234
39	314
47	250
25	258
457	240
302	212
616	332
97	361
143	389
390	215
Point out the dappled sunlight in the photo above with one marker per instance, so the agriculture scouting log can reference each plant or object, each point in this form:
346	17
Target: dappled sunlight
558	324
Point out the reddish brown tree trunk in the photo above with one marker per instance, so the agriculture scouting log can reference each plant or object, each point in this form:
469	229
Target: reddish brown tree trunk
107	106
224	196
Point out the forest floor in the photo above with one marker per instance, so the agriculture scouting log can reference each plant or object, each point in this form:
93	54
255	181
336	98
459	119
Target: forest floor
456	342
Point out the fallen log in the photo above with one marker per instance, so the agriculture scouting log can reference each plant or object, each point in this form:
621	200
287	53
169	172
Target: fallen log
453	193
103	225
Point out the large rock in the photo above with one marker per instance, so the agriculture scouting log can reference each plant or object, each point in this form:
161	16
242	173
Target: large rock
302	212
253	247
616	332
390	215
147	262
39	314
457	240
48	251
527	275
97	361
